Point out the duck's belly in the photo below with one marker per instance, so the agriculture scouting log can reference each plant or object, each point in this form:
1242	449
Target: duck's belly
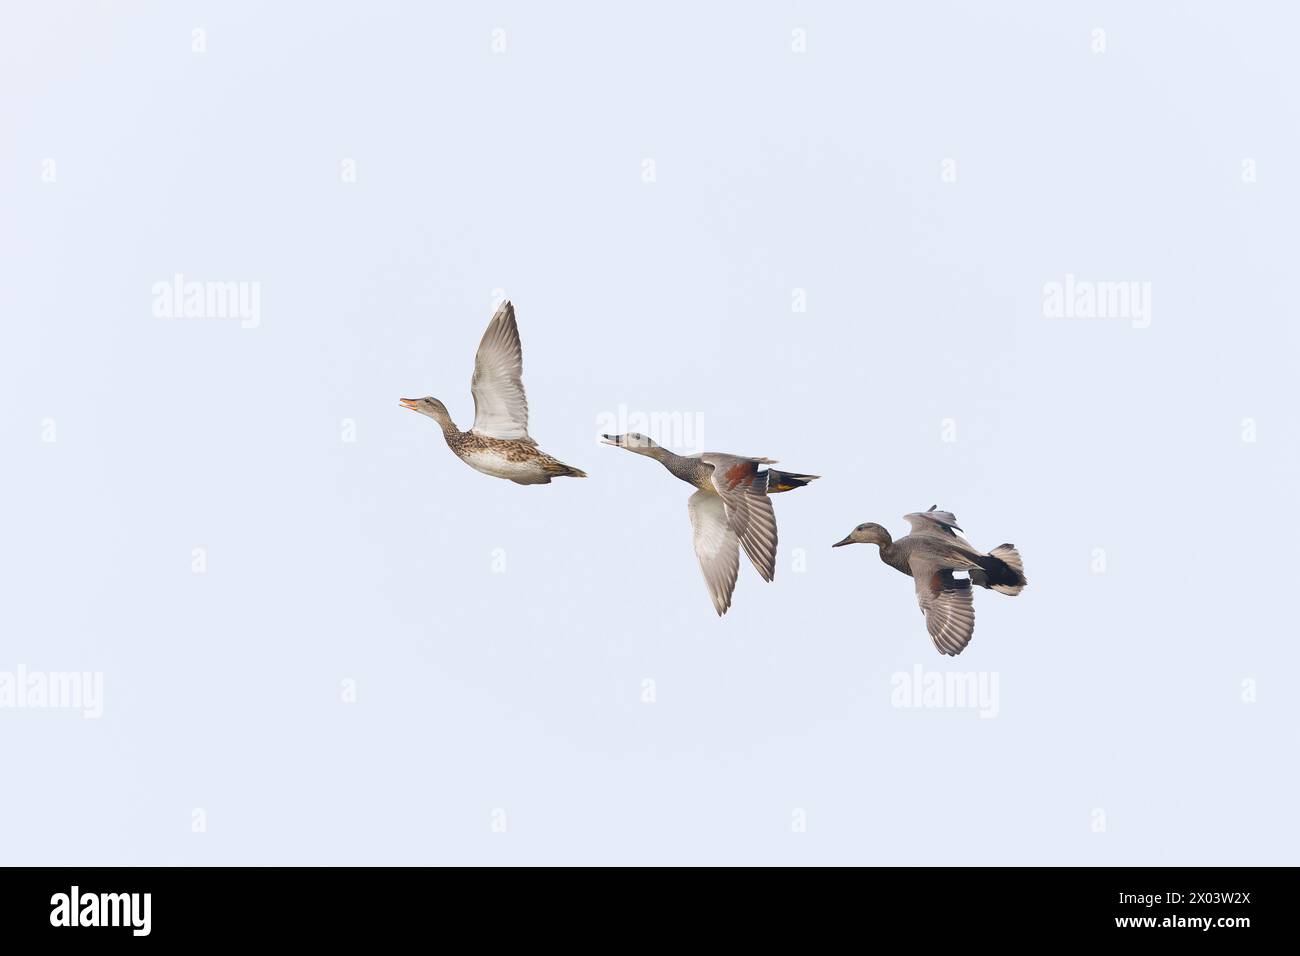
494	463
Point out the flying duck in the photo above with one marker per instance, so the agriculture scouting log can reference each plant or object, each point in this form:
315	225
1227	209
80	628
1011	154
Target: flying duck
930	554
498	443
730	510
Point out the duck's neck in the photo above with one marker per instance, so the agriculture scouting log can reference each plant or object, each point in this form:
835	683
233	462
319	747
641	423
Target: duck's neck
449	430
679	465
892	555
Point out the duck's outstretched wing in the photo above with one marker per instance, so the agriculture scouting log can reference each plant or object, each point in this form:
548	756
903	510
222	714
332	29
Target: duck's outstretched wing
749	510
947	606
933	522
717	547
500	407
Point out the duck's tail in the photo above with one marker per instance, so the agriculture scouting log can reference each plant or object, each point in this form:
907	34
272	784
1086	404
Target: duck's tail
1001	570
559	469
786	480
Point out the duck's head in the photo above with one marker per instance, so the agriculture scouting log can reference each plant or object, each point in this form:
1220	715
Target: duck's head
632	441
869	533
429	406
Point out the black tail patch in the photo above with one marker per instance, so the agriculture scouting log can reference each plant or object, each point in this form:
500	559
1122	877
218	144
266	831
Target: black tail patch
1001	570
786	480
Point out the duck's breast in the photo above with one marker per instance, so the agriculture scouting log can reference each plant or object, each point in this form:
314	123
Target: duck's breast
502	464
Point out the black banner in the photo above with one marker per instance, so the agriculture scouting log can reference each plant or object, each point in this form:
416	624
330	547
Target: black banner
368	905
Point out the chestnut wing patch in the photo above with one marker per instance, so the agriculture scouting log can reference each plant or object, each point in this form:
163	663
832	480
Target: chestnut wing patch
749	511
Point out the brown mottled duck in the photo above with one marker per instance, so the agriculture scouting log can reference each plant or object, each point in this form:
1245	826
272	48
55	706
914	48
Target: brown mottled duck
497	444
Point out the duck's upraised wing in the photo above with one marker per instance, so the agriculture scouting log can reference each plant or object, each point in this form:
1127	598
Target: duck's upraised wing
946	603
500	408
933	522
717	547
749	510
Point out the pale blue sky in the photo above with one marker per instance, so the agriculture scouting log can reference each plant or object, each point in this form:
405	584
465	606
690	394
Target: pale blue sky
522	171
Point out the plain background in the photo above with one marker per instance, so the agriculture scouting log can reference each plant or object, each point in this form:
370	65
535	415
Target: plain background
373	561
